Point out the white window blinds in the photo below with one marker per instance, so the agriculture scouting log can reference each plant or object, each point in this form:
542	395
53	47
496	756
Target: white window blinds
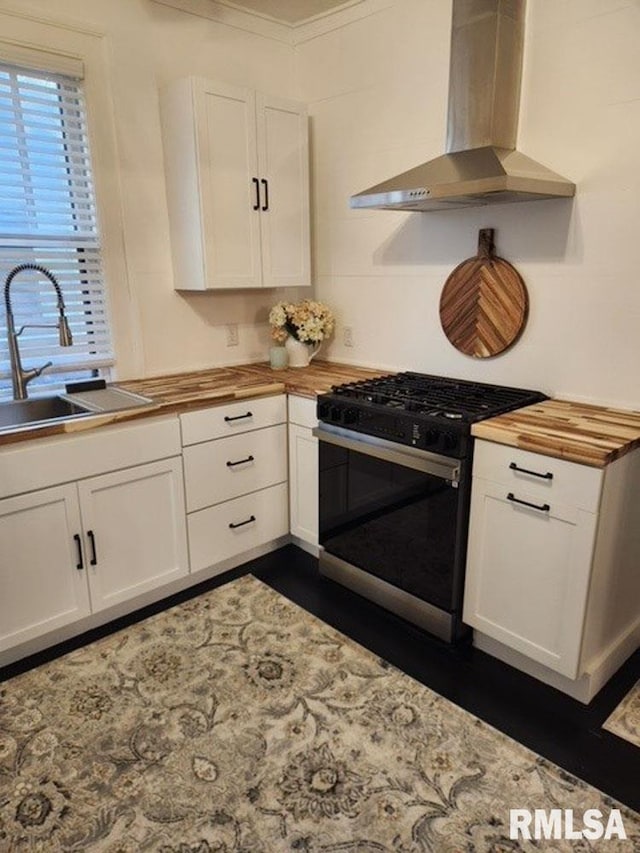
48	217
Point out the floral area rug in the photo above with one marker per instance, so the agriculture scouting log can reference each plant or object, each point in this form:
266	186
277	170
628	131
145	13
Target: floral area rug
238	723
625	720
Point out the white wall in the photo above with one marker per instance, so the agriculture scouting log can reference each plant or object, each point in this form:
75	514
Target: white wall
377	92
137	46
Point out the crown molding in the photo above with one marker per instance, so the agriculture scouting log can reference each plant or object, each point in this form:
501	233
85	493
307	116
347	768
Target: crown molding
229	13
336	18
232	16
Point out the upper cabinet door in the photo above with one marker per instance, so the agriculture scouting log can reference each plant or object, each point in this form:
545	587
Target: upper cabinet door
283	155
237	177
229	185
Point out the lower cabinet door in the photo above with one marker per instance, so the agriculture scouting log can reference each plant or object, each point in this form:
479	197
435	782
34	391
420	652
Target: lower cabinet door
233	527
134	530
528	569
303	483
43	575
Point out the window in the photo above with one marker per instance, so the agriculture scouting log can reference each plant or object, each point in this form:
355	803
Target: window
48	217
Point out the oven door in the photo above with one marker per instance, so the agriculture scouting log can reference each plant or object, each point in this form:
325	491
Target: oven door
392	525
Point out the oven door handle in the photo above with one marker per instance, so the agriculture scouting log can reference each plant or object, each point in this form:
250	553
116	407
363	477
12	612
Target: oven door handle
398	454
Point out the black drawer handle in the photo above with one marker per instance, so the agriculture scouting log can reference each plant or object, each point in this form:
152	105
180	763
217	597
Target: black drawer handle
80	563
256	184
541	507
242	523
238	417
265	184
547	476
240	462
94	557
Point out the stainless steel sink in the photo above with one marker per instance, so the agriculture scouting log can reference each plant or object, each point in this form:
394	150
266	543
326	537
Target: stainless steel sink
21	413
42	411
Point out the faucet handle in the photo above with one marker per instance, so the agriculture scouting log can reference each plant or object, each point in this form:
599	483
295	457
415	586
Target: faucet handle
38	370
28	375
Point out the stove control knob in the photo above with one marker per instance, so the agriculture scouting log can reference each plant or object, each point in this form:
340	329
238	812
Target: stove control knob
450	441
335	415
350	416
431	437
323	411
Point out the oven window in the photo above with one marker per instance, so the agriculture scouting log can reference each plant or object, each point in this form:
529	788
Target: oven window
394	522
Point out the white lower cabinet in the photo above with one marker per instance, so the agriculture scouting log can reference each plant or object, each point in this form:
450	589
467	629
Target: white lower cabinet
42	585
98	540
134	531
552	584
303	470
235	484
528	574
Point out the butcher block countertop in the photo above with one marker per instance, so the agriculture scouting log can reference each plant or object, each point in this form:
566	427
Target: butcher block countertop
578	432
181	392
225	384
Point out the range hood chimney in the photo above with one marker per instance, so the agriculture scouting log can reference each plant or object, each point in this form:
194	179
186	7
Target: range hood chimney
482	165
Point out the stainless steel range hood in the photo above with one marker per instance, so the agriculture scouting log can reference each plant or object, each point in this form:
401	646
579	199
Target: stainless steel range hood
482	165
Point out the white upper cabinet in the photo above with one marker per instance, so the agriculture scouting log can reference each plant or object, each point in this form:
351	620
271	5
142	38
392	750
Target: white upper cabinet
238	187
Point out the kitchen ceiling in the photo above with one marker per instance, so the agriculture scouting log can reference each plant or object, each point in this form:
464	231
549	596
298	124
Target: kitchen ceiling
288	11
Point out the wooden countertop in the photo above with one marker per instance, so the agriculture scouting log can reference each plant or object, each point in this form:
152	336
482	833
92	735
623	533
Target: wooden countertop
247	380
181	392
590	435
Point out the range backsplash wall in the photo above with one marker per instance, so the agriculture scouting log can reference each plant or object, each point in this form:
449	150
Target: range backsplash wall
377	93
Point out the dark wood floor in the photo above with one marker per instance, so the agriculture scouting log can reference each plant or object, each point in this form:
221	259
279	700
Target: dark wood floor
553	725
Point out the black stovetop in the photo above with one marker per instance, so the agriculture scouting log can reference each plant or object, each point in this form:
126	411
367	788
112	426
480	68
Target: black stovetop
430	412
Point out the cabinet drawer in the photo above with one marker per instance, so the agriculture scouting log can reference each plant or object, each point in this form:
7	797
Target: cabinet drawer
520	470
216	471
232	418
223	531
302	411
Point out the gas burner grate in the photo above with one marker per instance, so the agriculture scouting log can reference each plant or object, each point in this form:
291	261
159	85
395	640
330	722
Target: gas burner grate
437	396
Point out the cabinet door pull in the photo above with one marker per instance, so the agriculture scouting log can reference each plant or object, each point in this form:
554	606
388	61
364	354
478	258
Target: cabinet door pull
242	523
80	563
94	557
240	462
541	507
238	417
547	476
256	184
265	184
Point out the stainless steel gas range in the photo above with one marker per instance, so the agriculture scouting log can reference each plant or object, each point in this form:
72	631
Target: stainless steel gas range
395	459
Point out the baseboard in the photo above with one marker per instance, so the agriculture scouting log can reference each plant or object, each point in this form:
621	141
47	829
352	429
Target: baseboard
597	672
309	547
579	689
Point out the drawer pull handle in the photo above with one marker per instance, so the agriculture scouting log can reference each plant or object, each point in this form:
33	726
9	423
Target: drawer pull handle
238	417
80	563
242	523
541	507
240	462
94	557
547	476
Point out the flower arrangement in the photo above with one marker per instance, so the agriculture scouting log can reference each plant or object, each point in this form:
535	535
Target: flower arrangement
307	321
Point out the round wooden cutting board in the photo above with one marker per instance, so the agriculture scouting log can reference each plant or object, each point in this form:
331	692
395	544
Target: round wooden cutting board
484	304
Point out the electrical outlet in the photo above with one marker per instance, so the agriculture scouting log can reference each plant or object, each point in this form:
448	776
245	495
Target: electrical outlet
232	335
347	336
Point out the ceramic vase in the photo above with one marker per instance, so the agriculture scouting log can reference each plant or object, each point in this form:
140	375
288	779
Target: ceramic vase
300	354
